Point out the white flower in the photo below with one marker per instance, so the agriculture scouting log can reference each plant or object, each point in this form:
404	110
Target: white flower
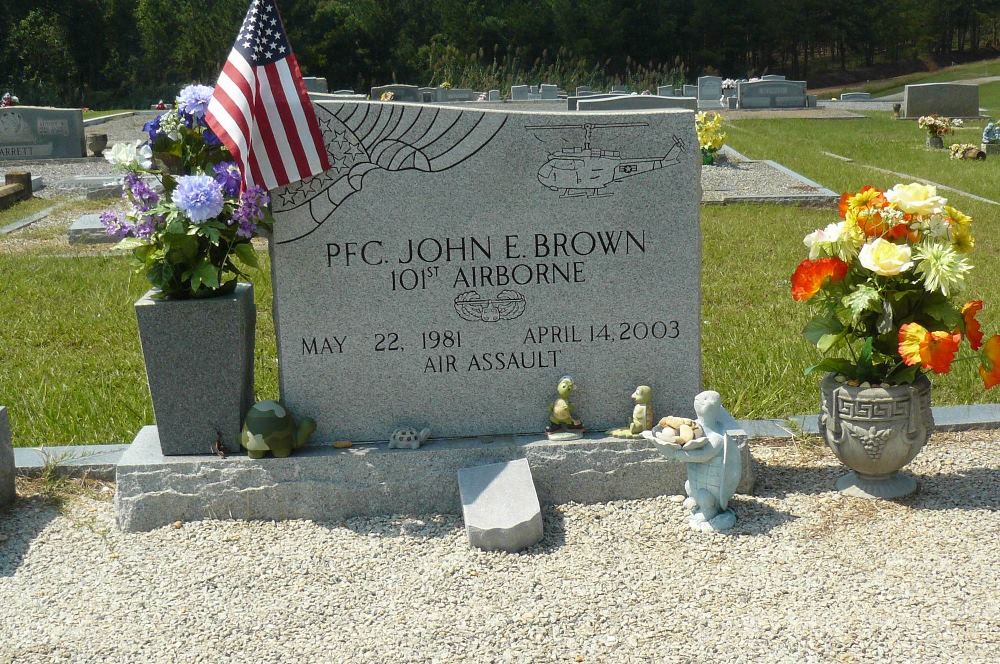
916	198
144	154
121	155
823	239
885	258
957	122
941	267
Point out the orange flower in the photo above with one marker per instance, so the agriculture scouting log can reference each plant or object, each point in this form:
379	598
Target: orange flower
972	330
991	351
932	350
810	276
864	210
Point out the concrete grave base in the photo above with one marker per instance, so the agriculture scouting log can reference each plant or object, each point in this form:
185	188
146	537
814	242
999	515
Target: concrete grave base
500	506
327	484
88	229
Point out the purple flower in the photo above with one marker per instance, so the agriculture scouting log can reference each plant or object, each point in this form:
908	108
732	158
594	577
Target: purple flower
146	226
115	224
199	196
143	197
194	99
250	211
209	137
152	128
227	174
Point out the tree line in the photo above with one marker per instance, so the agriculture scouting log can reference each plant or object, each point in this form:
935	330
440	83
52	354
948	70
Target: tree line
104	53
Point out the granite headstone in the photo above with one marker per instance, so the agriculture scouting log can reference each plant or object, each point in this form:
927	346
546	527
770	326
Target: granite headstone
771	94
7	469
316	84
952	100
634	102
709	88
33	132
456	262
401	92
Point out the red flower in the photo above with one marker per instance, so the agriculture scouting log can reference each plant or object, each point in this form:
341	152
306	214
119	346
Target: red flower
972	329
991	350
810	276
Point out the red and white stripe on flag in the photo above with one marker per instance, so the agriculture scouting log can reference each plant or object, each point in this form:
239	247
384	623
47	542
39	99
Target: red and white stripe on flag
260	109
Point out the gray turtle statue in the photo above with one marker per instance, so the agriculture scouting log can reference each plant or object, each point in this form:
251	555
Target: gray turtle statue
714	463
408	438
269	427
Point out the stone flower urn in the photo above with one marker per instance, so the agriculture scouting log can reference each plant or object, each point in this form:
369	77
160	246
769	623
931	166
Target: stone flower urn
875	431
935	142
96	144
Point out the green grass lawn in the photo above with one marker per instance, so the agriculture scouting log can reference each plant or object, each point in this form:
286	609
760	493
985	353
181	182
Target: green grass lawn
980	69
71	366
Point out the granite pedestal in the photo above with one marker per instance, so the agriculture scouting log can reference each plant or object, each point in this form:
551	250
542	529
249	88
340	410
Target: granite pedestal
6	460
327	484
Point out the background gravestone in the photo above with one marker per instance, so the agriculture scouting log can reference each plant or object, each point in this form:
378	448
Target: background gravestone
33	132
402	92
952	100
709	88
634	102
316	84
455	263
6	460
771	94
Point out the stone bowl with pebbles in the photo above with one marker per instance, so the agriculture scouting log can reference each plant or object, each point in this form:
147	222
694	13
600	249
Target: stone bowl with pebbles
674	433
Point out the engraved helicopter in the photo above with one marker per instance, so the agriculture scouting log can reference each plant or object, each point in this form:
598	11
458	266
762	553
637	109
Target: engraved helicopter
586	172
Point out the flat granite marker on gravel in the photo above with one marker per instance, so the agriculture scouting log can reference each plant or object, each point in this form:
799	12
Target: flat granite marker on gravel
88	229
6	461
500	506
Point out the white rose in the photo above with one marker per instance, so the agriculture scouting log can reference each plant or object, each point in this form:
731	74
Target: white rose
885	258
144	155
916	198
824	239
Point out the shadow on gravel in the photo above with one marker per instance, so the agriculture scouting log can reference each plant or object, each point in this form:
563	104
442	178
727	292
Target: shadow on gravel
426	526
20	523
971	489
777	481
756	518
554	539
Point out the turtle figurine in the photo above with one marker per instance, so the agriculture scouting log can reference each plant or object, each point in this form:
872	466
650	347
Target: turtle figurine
269	427
642	415
408	438
562	424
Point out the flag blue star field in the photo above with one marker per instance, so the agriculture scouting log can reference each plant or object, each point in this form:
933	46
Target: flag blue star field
260	108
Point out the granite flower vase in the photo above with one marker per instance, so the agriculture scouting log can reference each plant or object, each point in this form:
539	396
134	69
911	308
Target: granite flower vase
935	142
875	432
199	364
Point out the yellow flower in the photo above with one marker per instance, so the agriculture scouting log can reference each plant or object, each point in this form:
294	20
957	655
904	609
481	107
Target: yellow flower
885	258
916	198
709	129
961	230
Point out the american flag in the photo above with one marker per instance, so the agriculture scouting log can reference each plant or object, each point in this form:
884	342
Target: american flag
260	109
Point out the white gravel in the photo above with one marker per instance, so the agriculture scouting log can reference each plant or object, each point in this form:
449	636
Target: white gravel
809	576
750	178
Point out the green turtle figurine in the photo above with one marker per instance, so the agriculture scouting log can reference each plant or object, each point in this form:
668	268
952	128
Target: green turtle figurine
562	424
642	415
269	427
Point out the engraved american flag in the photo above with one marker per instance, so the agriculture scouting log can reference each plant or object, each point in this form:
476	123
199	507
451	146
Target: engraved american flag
260	109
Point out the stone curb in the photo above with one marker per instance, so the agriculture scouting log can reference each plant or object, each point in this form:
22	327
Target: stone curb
823	197
99	461
27	221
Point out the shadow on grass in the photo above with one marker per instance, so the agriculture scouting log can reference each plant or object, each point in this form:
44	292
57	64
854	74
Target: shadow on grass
21	523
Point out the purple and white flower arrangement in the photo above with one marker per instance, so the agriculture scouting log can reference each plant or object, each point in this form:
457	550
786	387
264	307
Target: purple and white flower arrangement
186	220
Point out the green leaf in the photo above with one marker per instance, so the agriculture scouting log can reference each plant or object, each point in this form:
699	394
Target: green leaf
245	252
824	332
862	299
903	374
160	273
205	273
884	325
941	309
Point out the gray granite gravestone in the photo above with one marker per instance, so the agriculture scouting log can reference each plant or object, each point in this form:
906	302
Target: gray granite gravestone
583	90
500	506
316	84
33	132
952	100
401	92
634	102
690	90
7	469
856	96
709	88
456	262
344	91
548	91
88	229
493	95
773	77
771	94
520	93
620	89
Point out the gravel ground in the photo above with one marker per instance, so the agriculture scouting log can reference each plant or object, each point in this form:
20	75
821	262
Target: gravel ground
734	179
808	576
